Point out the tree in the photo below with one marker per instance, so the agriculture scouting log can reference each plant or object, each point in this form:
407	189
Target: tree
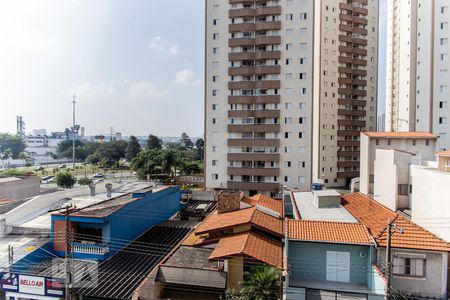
65	180
186	141
153	142
5	155
261	283
133	148
23	156
200	148
169	162
190	168
147	162
64	149
84	181
12	142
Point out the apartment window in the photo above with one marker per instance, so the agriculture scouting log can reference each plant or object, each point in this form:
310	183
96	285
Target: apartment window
301	149
287	164
301	120
443	88
303	60
301	164
413	142
288	76
444	25
303	46
215	176
444	9
288	105
408	265
302	105
442	120
302	76
214	162
444	41
403	189
303	16
288	120
287	178
289	32
215	64
377	142
287	135
288	46
443	72
300	135
215	92
287	149
303	91
216	7
215	78
289	17
214	148
288	61
443	104
216	50
301	179
444	57
215	36
389	142
303	31
214	120
215	22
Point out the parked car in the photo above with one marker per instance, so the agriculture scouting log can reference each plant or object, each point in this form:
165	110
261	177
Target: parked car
48	179
39	168
62	166
98	175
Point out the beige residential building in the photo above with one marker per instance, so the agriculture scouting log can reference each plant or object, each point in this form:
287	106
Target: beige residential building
417	89
290	84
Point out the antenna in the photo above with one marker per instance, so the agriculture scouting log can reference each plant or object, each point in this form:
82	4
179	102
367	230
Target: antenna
74	97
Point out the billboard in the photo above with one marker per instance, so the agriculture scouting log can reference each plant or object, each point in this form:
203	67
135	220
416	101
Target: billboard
32	285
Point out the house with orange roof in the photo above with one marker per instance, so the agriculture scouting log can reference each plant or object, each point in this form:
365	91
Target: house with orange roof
328	252
415	142
419	257
242	233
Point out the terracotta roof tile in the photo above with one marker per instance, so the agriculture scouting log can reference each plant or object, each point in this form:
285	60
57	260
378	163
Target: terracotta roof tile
328	231
241	217
251	245
263	200
443	153
376	216
405	135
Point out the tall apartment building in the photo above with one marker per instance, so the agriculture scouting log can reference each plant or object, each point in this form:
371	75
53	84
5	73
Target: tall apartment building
417	92
290	84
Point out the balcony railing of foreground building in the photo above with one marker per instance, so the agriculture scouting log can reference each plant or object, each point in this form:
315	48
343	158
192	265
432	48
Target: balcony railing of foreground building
260	186
94	249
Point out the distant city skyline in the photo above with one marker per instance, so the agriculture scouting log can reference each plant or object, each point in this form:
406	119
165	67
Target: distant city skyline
127	73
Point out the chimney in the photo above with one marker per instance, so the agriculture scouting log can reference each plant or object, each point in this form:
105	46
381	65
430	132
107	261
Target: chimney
92	187
229	201
108	189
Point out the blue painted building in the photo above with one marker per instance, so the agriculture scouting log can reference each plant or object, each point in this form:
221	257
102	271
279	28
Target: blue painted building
331	259
101	230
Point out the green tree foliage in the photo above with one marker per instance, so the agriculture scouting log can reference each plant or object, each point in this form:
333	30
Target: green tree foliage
185	141
153	142
200	148
147	162
191	168
84	181
65	180
64	149
13	143
133	148
261	283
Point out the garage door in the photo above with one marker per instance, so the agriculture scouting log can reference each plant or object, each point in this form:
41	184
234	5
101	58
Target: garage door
338	266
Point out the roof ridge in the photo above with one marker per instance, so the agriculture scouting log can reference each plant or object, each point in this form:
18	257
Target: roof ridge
325	221
417	225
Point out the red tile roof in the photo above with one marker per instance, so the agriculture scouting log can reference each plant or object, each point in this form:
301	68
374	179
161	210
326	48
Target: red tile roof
251	245
401	135
443	153
329	231
250	216
375	217
263	200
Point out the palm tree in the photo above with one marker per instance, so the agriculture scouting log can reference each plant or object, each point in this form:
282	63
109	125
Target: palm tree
24	156
261	283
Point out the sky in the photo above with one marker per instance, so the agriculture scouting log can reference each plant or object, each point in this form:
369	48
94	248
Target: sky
132	66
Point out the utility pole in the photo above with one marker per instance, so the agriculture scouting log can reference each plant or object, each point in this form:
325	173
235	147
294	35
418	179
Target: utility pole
389	228
73	130
10	257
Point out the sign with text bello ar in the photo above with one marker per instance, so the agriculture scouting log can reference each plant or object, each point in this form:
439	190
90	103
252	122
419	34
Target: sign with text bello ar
32	285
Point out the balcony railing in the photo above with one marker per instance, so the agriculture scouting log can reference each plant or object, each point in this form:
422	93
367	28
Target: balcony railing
90	249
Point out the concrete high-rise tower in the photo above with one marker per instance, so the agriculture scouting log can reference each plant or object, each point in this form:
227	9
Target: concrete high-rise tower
290	84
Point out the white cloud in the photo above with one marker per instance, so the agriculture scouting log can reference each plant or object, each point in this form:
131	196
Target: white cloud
120	89
161	44
187	78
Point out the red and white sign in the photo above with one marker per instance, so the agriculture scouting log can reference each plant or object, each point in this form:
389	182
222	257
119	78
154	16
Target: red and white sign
32	285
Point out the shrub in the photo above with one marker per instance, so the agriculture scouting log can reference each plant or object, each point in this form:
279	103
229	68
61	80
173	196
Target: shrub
84	181
65	180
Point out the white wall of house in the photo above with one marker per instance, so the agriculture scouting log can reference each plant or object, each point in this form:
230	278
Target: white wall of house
430	200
